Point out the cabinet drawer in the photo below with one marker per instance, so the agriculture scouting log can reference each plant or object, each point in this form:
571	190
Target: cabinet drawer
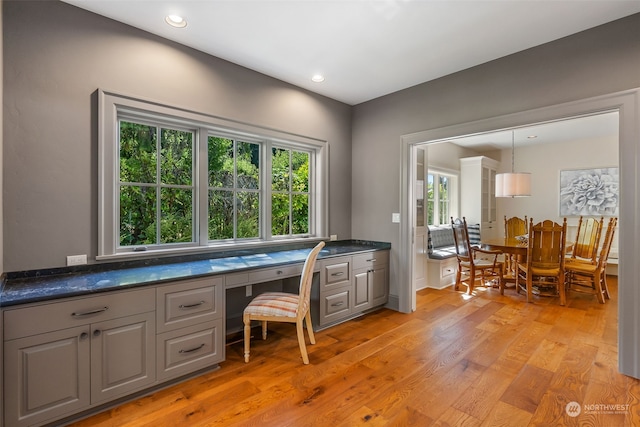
370	259
335	306
68	313
268	274
335	275
186	350
189	303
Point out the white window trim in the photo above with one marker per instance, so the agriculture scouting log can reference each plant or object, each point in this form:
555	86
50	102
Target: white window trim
111	105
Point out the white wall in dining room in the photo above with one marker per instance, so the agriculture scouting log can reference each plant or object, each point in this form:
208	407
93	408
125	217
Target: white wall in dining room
545	163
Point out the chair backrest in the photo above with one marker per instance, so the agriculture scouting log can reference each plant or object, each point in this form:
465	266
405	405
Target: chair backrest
587	238
606	244
306	279
461	239
547	240
515	226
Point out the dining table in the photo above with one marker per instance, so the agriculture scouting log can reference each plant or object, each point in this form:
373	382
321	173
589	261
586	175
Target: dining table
508	245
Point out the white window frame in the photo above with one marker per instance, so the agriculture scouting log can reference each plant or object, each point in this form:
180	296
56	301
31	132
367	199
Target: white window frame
453	177
113	106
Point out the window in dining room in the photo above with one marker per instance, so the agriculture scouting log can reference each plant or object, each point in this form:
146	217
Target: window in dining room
441	192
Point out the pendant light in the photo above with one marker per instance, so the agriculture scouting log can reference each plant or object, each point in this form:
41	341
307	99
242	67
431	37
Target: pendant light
513	184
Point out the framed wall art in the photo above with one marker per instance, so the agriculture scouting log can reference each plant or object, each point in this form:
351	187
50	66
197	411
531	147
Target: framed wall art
589	192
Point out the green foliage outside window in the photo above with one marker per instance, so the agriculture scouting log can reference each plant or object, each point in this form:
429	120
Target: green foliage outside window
149	182
157	187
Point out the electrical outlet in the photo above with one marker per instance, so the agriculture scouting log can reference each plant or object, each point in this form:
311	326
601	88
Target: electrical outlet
334	237
76	259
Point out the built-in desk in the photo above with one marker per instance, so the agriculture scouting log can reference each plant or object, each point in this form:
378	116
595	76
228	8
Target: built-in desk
65	329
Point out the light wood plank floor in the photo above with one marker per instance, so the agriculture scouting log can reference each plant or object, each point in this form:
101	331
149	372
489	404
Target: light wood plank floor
485	360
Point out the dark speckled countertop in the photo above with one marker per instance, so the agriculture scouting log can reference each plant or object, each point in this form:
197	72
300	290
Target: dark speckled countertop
42	285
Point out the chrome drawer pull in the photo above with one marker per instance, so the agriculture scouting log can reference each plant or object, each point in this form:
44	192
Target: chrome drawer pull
279	272
87	313
337	304
340	273
192	349
372	260
183	306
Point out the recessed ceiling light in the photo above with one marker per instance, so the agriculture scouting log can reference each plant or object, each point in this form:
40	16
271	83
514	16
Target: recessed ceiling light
318	78
176	21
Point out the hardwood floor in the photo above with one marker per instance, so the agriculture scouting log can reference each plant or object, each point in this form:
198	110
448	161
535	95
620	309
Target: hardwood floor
485	360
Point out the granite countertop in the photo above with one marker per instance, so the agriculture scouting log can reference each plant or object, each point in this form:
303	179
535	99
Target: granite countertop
32	286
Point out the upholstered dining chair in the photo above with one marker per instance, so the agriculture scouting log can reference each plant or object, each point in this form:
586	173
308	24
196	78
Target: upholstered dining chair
468	261
284	307
513	227
592	278
544	267
585	248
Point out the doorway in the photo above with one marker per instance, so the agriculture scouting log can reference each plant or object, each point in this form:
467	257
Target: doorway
626	104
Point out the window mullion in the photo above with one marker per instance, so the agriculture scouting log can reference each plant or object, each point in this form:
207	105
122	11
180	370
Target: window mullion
202	186
158	184
266	191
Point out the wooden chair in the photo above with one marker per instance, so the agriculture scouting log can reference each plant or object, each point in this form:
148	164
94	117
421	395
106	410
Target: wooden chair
513	227
543	271
585	248
284	307
592	278
468	263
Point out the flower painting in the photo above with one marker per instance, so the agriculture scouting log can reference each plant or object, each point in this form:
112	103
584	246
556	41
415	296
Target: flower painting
589	192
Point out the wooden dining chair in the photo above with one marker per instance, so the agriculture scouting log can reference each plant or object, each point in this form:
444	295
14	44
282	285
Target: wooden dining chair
513	227
543	271
585	247
284	307
592	278
468	261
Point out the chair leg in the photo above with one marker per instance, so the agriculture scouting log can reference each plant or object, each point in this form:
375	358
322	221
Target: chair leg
562	290
312	338
472	281
605	286
264	329
247	338
597	284
303	347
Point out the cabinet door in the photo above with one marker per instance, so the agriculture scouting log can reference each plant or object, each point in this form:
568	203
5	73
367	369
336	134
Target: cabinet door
361	290
122	356
46	376
379	286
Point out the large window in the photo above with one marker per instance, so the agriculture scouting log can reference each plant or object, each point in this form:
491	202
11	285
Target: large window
441	190
173	180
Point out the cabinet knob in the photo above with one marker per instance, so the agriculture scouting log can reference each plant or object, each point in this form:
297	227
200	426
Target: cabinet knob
84	336
97	333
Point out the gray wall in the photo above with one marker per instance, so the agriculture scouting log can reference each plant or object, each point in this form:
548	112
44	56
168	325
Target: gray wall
601	60
57	56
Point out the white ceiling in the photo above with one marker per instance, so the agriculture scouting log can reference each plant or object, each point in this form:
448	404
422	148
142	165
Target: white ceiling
364	48
597	126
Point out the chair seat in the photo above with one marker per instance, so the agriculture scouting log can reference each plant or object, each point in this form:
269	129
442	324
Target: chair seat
280	304
540	271
581	267
479	263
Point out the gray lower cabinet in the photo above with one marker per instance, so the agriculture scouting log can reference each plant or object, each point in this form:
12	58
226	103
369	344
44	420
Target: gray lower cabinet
103	349
190	326
370	280
351	285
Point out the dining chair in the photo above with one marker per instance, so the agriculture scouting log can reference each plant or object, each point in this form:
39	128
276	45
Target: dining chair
592	278
468	261
585	247
284	307
543	271
513	227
